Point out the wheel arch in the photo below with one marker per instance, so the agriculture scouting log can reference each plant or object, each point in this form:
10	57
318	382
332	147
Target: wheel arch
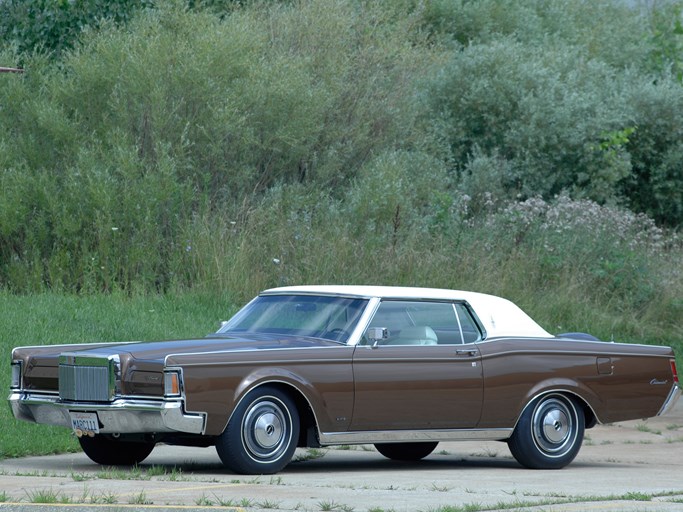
308	421
591	418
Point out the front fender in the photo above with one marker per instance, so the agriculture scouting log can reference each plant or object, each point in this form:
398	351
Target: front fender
295	383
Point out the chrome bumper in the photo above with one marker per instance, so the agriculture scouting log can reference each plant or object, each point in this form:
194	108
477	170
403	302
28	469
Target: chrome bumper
122	415
671	400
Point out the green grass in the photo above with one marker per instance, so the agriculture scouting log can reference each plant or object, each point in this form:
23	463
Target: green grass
47	496
311	454
140	499
55	319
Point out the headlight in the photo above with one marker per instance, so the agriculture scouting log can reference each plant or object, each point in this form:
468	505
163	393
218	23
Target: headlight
16	375
173	383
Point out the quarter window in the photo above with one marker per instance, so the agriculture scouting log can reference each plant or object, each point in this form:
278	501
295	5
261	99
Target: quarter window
470	330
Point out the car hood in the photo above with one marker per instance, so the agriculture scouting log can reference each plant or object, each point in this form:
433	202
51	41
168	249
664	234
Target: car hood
159	350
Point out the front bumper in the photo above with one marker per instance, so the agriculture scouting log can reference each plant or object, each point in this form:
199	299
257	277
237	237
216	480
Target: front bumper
122	415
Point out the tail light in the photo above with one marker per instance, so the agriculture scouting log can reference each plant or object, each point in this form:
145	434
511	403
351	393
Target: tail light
673	370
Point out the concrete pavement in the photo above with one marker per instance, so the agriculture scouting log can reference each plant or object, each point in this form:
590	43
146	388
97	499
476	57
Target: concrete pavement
630	466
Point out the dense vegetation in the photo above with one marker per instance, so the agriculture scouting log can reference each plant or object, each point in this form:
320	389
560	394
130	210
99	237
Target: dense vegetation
162	161
531	149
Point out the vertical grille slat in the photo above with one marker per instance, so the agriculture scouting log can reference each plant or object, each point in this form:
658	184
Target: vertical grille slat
87	379
84	383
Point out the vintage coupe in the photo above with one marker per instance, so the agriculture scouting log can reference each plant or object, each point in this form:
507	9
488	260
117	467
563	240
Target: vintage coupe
401	368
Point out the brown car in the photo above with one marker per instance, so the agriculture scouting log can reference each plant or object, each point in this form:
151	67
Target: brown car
402	368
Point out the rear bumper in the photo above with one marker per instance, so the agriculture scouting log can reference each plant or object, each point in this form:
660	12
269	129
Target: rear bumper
123	415
671	400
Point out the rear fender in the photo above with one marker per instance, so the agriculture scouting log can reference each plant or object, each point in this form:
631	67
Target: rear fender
591	403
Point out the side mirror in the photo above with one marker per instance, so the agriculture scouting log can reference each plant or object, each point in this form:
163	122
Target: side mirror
375	334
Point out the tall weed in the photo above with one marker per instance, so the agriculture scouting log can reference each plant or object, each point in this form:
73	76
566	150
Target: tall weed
573	264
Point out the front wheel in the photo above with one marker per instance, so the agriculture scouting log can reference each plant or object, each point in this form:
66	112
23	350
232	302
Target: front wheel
262	433
549	433
115	451
405	451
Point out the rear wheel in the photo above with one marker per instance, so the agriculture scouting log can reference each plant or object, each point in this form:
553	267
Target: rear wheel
549	433
115	451
405	451
262	433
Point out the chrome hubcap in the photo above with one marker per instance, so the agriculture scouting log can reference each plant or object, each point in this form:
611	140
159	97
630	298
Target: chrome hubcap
554	426
265	430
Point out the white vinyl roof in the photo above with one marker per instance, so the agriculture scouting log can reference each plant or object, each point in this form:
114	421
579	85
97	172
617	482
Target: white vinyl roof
500	317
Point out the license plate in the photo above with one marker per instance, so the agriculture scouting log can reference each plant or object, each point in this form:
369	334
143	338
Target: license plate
85	422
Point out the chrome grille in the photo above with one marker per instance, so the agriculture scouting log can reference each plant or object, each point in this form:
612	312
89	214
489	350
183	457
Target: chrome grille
87	378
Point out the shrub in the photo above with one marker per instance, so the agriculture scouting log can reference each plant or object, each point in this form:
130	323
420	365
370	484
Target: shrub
609	31
612	248
56	25
543	110
655	185
114	154
577	106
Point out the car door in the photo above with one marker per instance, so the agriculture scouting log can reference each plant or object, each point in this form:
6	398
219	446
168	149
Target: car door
423	375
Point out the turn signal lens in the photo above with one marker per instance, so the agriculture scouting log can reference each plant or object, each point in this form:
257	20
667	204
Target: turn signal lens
673	371
16	375
172	384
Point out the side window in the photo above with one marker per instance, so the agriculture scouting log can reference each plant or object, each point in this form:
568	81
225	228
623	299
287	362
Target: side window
418	323
470	330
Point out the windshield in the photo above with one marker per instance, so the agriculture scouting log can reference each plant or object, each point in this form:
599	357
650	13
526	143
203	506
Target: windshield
332	318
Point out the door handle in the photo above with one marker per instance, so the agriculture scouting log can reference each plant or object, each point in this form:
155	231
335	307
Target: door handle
466	352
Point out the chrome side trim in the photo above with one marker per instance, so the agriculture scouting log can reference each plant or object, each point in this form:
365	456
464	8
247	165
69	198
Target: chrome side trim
123	415
255	350
601	343
671	400
392	436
